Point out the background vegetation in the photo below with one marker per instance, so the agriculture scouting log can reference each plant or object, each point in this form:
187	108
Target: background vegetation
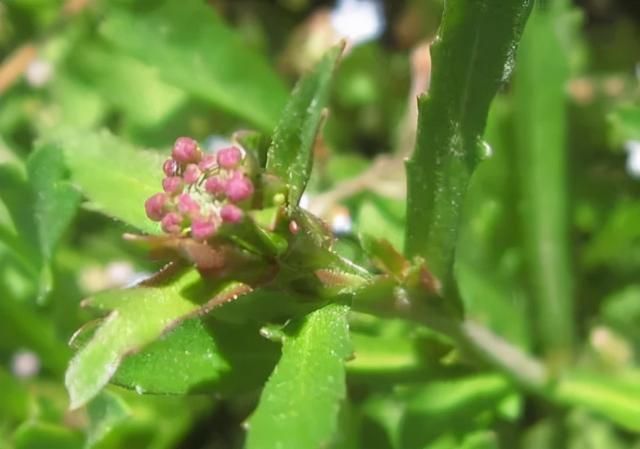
531	224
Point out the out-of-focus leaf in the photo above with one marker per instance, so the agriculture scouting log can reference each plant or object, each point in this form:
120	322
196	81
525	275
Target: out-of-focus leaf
299	405
129	85
191	47
625	124
471	59
41	435
382	218
621	310
480	440
106	412
15	403
488	257
55	199
116	177
21	233
138	317
615	397
540	130
617	243
198	356
290	155
450	406
22	326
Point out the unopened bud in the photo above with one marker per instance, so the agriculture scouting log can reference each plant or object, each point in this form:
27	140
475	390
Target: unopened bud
170	167
231	213
202	228
191	174
214	185
229	157
208	162
155	206
238	188
187	205
186	150
172	185
172	223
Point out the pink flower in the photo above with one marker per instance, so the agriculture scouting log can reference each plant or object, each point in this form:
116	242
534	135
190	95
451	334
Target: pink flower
170	167
172	185
186	150
187	205
155	206
191	174
202	228
229	157
214	185
172	223
208	162
238	188
231	213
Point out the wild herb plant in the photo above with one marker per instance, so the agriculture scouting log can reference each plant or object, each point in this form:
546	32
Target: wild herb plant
466	319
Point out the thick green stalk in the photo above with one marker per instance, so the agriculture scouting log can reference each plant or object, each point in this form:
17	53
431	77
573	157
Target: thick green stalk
540	117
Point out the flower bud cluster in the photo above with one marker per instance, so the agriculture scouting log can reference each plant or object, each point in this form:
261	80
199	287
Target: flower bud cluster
200	191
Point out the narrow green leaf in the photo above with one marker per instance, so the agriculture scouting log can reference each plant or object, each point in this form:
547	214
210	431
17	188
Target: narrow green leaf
55	200
116	177
290	155
473	57
192	48
138	317
616	398
300	403
540	123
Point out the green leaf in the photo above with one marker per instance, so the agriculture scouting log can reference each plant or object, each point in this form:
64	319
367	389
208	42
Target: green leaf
191	47
41	435
116	177
139	316
290	155
56	200
300	403
201	357
541	127
474	55
450	406
625	124
614	397
106	411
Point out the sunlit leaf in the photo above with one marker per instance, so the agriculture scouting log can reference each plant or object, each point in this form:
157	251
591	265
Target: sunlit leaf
290	155
299	405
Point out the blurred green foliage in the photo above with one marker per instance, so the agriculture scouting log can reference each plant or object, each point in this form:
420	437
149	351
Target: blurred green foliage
540	242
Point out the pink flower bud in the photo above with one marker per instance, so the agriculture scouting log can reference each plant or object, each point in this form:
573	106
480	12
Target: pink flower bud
202	228
231	214
229	157
238	188
187	205
170	167
155	206
172	185
186	150
172	223
208	162
214	185
191	174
